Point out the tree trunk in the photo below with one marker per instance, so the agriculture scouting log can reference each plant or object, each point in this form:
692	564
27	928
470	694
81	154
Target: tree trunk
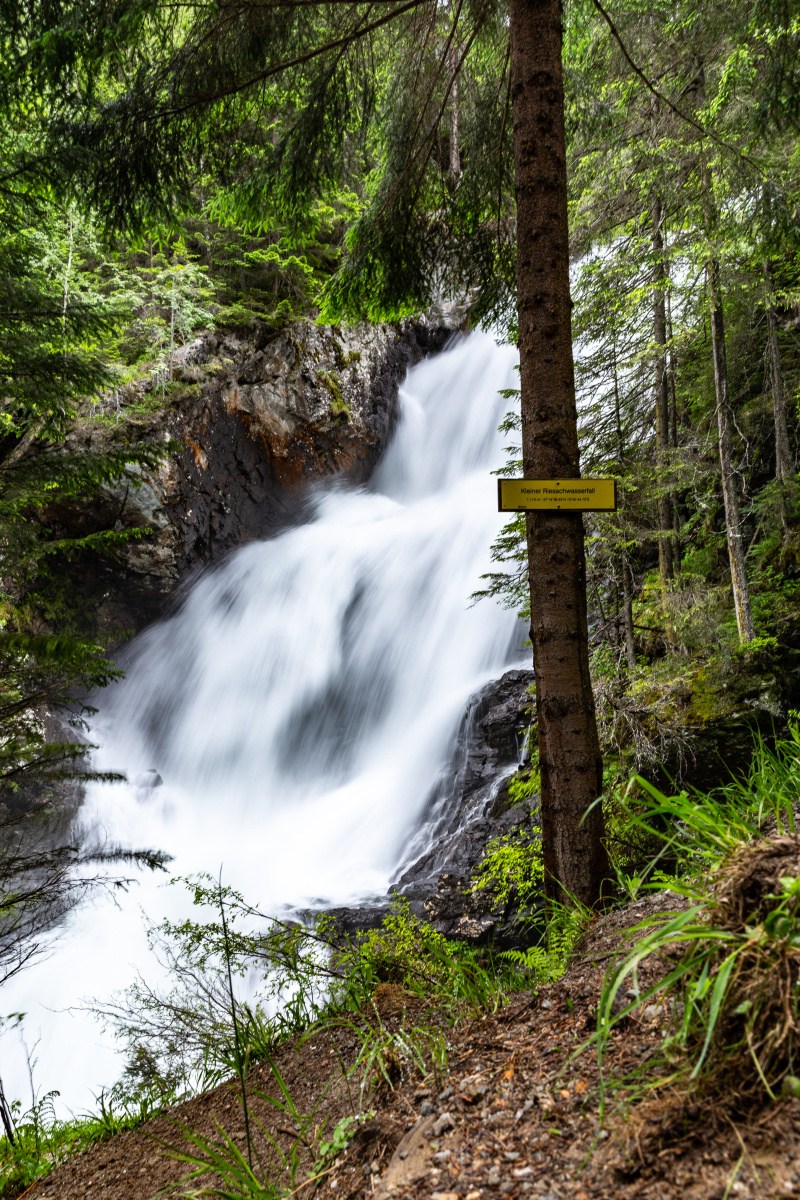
673	435
627	613
455	153
666	565
570	761
730	495
627	573
784	469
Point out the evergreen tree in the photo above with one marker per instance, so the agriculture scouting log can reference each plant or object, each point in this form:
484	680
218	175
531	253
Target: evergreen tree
438	218
50	339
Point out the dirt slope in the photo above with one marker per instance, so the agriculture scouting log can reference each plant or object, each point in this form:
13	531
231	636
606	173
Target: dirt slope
513	1116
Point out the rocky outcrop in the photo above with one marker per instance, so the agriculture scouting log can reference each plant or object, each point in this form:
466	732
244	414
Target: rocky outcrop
251	422
469	807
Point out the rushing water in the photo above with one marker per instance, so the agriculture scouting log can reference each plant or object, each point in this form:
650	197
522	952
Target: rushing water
299	709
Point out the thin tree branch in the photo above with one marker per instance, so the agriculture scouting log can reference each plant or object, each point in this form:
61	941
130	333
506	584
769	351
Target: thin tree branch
651	87
287	64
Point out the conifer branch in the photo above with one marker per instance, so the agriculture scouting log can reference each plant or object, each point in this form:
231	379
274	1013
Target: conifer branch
664	99
359	31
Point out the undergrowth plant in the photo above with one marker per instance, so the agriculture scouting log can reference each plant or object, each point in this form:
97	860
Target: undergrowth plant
724	962
39	1141
386	1056
200	1030
270	1165
512	870
560	928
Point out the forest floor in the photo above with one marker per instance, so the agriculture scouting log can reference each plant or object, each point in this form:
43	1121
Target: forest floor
515	1113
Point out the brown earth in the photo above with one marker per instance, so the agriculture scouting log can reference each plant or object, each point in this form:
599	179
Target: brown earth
514	1114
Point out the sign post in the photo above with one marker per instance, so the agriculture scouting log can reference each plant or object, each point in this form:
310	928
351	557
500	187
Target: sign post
557	495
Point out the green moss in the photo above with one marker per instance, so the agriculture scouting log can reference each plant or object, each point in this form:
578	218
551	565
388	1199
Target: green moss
339	406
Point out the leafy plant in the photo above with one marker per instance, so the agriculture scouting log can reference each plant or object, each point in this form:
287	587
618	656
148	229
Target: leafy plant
329	1149
512	869
730	978
408	951
236	1176
725	965
562	926
278	1157
386	1056
39	1141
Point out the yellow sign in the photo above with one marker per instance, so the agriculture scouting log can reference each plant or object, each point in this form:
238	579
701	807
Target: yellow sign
579	495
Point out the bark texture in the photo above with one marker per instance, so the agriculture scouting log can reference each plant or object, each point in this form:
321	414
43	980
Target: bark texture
661	396
730	490
570	760
730	494
784	468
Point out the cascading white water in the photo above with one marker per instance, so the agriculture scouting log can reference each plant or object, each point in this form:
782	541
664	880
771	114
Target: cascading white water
299	709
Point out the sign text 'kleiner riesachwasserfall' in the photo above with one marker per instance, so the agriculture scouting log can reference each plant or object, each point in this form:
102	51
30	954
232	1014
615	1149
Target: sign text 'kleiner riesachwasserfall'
579	495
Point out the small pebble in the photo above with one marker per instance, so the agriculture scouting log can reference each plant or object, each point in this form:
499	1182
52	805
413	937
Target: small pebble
442	1156
547	1004
442	1124
511	1155
522	1172
426	1108
473	1087
493	1178
447	1094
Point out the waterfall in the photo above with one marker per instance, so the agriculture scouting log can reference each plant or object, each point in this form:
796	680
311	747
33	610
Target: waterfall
298	710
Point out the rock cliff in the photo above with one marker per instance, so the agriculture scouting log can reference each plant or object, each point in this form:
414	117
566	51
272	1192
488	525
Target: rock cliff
250	422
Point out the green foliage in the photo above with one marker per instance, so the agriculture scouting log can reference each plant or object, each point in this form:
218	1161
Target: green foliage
512	869
731	955
41	1141
198	1032
239	1178
694	832
387	1056
281	1164
329	1149
562	928
404	950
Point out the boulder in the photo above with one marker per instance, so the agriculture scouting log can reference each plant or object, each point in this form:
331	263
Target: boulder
469	806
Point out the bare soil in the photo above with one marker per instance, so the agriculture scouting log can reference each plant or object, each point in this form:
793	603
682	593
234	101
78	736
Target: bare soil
515	1115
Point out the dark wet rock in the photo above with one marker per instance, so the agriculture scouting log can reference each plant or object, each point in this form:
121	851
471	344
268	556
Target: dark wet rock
469	806
254	420
472	797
